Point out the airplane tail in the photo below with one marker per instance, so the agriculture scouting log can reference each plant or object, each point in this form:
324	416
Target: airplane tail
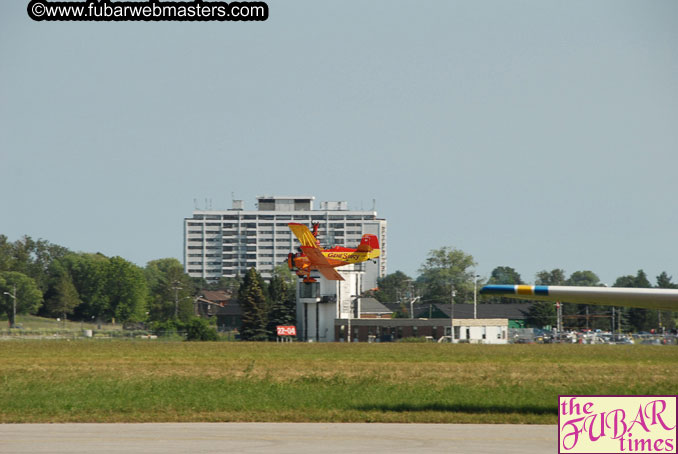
370	244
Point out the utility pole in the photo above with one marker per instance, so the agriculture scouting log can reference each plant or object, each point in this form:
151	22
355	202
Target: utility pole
475	295
412	301
559	318
619	316
12	323
452	295
411	297
613	317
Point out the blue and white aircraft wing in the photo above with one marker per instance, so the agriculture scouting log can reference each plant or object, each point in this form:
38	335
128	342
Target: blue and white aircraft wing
648	298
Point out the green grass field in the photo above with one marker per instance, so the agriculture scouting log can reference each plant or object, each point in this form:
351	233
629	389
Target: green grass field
144	381
32	323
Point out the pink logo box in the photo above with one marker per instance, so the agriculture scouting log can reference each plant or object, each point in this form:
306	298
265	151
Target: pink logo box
617	424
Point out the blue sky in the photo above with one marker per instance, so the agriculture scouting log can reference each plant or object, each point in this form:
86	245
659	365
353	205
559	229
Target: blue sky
531	134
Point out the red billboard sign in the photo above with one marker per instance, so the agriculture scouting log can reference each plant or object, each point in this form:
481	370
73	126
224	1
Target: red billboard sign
286	330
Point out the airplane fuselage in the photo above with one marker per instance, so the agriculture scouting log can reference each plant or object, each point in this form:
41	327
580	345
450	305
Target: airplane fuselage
336	257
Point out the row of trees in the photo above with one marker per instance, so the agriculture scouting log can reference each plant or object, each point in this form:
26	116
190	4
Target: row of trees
448	269
50	280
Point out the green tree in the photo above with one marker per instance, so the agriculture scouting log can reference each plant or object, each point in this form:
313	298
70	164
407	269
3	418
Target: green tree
64	297
639	319
21	255
5	254
665	281
668	319
170	290
287	275
28	295
198	329
583	279
394	287
167	329
444	269
254	308
31	258
88	273
582	315
553	277
282	303
541	314
505	275
640	280
43	255
126	290
228	283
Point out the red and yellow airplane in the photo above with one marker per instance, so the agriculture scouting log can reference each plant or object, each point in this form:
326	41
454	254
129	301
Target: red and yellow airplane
313	257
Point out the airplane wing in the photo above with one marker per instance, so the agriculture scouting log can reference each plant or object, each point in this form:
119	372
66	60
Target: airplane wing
303	234
319	261
648	298
330	274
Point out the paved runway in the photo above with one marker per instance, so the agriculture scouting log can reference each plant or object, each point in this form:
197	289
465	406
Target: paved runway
276	437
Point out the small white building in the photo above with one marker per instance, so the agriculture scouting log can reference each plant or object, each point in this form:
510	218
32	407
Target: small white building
480	330
327	311
320	303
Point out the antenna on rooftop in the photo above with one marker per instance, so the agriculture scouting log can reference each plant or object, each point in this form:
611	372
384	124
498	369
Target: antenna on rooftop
195	203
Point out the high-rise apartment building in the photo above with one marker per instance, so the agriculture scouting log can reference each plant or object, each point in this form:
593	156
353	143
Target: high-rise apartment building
229	242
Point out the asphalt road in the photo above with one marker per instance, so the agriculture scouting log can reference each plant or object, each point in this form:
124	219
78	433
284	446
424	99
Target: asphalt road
276	438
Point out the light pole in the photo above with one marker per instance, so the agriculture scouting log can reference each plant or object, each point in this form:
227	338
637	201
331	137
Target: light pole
12	324
412	301
410	296
350	314
475	295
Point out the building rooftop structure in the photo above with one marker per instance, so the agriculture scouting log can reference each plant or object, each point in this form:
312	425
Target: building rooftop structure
516	311
286	203
371	308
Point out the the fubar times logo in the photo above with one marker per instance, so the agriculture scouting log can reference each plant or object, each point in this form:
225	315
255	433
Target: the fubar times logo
617	424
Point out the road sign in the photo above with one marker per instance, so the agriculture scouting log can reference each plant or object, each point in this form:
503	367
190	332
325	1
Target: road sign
286	330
